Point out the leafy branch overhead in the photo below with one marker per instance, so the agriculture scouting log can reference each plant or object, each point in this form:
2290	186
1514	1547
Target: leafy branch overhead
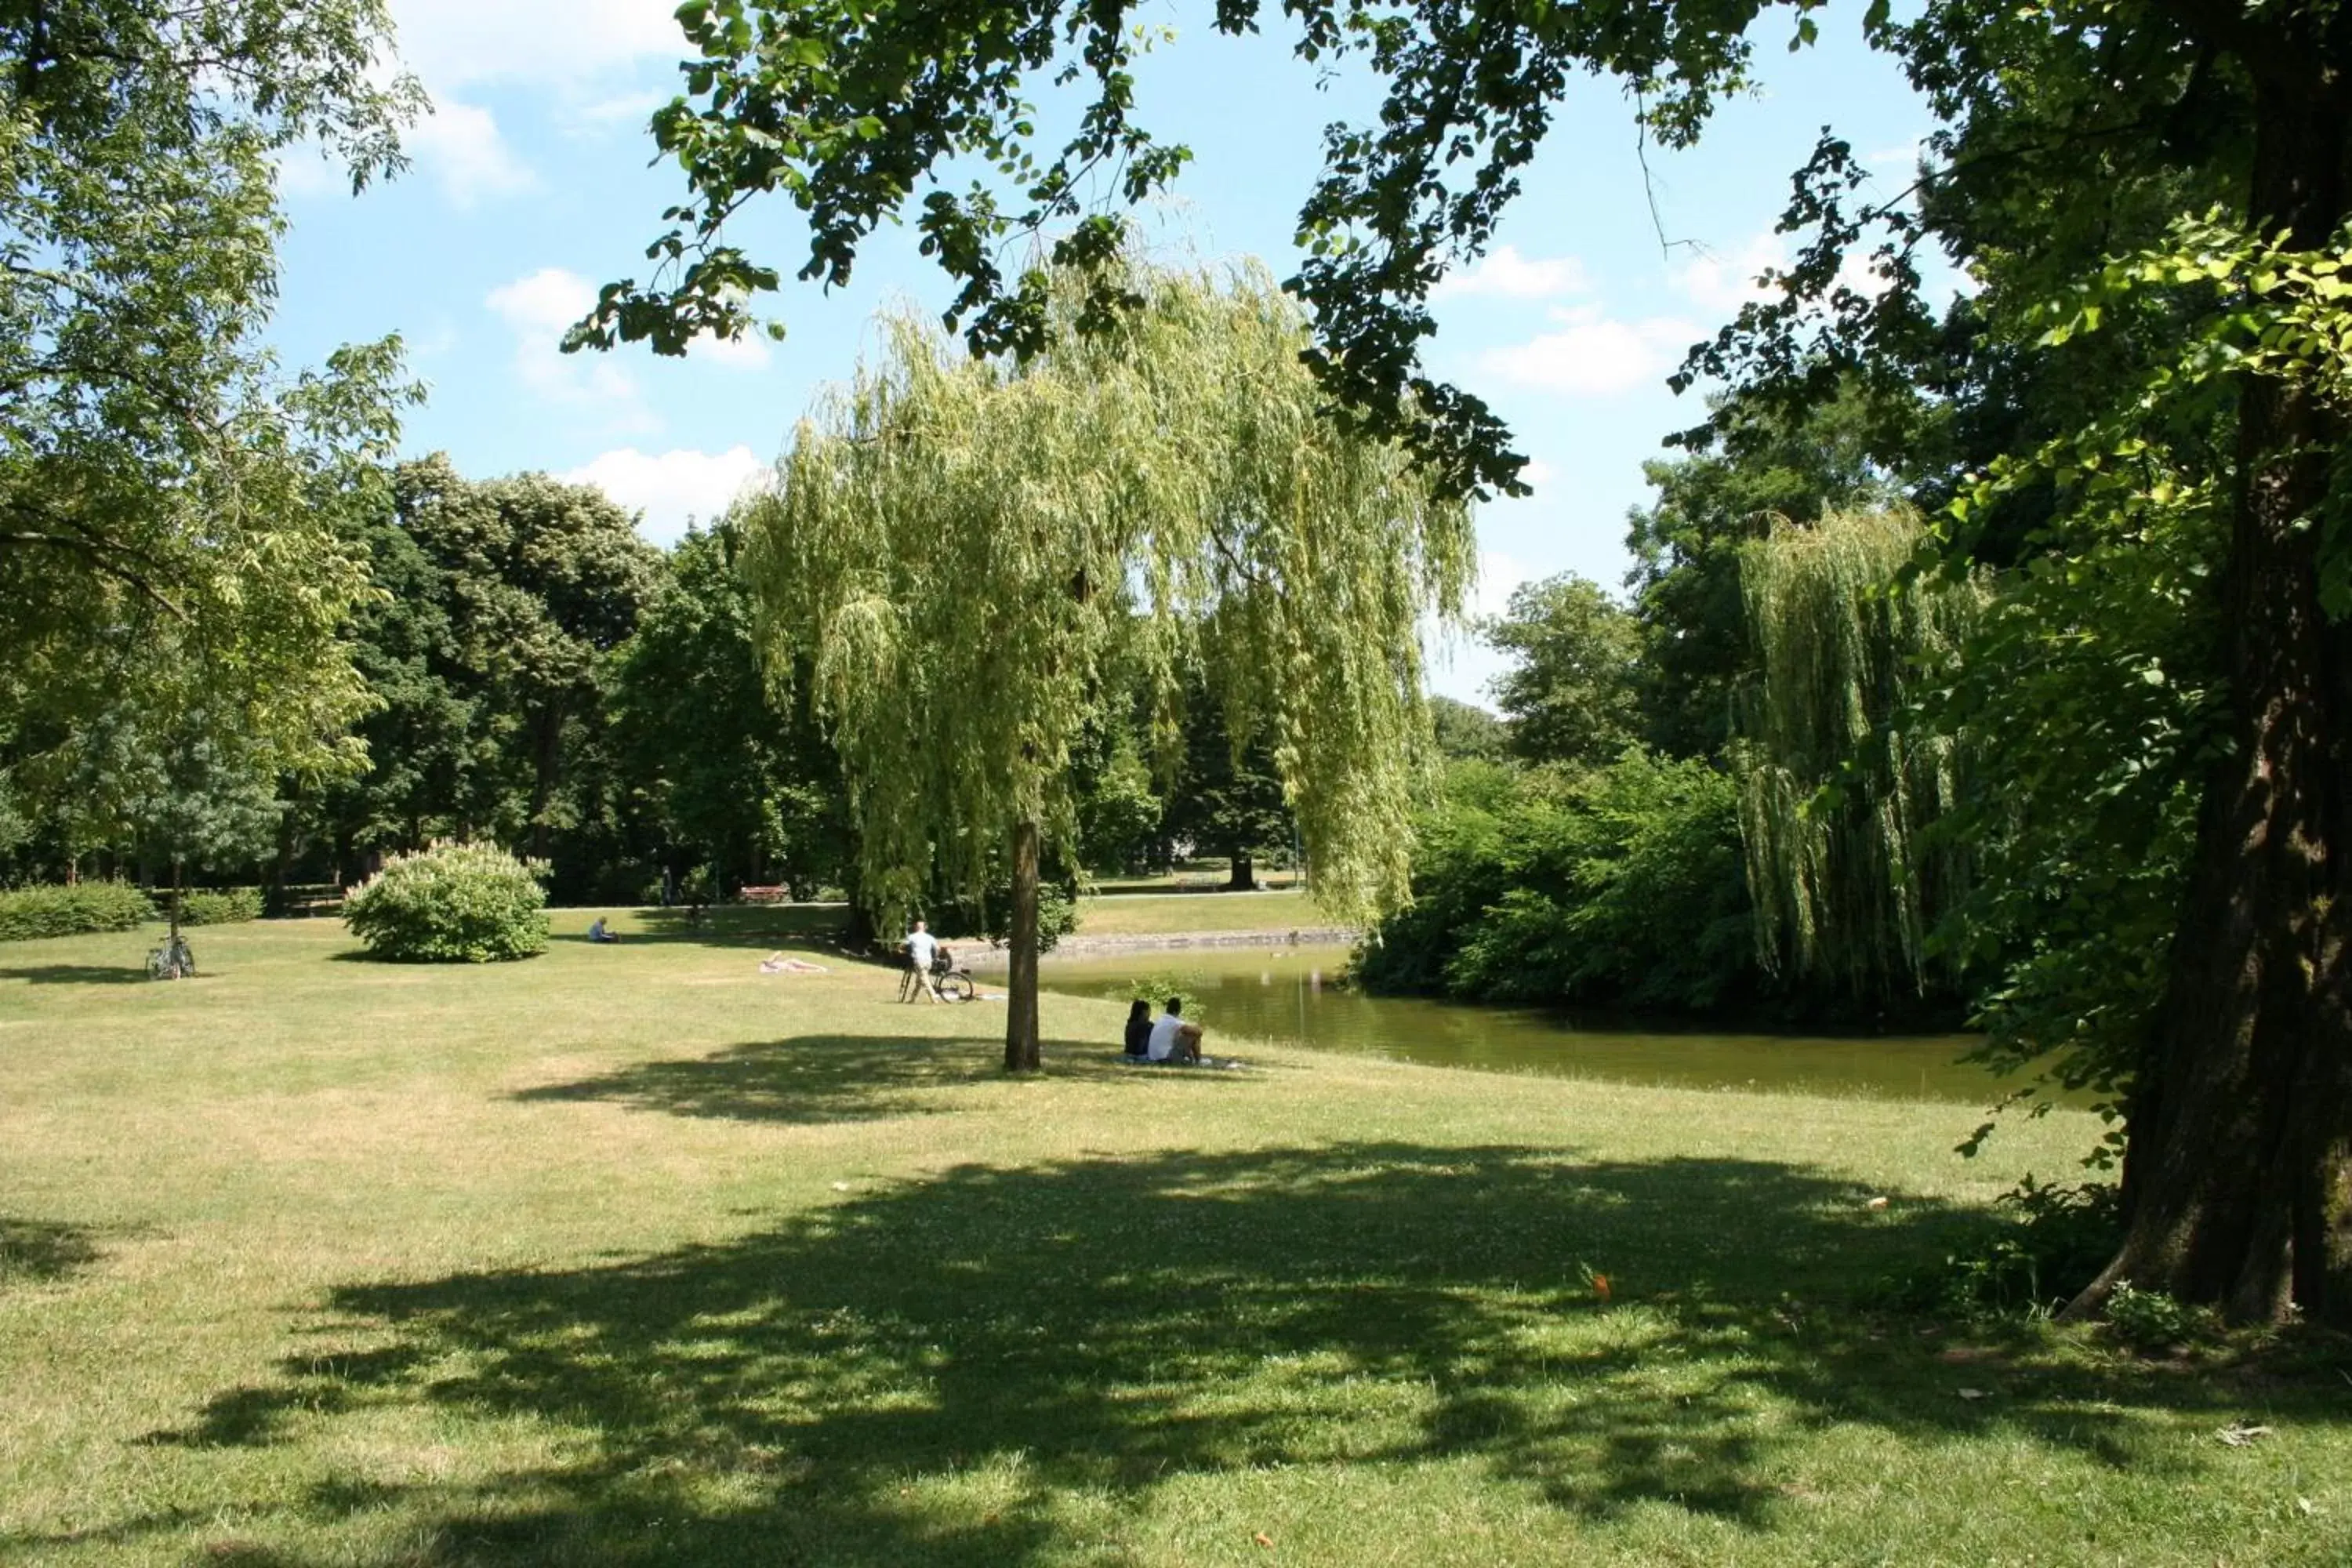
849	112
168	491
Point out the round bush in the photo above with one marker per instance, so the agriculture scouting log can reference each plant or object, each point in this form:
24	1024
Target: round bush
455	903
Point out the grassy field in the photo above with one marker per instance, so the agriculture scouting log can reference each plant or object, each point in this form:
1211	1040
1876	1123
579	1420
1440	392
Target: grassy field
1142	914
1193	876
634	1255
1123	914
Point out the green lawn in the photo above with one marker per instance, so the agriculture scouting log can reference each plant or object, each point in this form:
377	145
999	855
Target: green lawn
1120	914
1142	914
636	1256
1193	876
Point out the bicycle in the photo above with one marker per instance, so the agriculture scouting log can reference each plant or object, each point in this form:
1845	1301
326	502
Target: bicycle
952	984
173	961
947	981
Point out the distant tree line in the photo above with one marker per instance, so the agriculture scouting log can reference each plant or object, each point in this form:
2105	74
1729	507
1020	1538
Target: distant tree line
538	676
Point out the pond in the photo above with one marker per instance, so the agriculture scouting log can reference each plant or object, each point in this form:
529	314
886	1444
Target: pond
1295	997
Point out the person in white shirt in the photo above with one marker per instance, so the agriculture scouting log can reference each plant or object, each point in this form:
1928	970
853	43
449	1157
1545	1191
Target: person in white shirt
921	946
1174	1040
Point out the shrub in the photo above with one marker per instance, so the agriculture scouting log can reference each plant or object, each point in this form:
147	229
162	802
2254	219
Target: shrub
86	907
455	903
2150	1322
1617	887
230	906
2050	1242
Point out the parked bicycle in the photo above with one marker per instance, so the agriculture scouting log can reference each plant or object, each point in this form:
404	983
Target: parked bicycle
173	961
953	983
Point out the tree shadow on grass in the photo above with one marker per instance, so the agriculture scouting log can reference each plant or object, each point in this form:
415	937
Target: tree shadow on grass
816	1078
952	1370
742	925
76	974
39	1251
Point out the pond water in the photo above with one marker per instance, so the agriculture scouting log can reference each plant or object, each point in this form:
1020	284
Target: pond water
1296	997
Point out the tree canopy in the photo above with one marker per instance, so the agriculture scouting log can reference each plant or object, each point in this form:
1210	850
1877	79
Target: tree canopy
959	548
166	492
1572	692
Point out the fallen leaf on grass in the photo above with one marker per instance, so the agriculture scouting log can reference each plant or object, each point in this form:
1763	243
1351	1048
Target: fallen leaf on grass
1263	1539
2237	1433
1875	1204
1961	1354
1975	1393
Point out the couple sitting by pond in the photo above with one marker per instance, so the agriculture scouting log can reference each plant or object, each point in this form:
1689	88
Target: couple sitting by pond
1167	1038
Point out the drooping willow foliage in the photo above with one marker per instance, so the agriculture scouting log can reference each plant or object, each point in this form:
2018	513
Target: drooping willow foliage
963	549
1839	785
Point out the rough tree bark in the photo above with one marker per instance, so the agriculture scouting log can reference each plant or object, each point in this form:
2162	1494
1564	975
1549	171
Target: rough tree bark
2238	1167
1022	1052
1243	875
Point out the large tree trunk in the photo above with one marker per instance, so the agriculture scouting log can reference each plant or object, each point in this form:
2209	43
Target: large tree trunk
1022	1053
1244	874
2238	1169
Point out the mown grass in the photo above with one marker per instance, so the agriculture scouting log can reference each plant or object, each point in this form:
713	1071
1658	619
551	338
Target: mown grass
633	1255
1154	914
1206	875
1117	914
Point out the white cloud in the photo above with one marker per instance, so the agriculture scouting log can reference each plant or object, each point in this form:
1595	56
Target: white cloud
749	351
459	144
1498	576
1860	273
303	170
1721	285
617	111
538	308
1593	354
671	487
1504	274
1538	474
548	43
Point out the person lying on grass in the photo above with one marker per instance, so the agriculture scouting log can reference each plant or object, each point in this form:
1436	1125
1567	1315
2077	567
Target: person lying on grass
1174	1040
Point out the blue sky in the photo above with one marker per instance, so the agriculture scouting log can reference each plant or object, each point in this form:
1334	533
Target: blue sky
532	186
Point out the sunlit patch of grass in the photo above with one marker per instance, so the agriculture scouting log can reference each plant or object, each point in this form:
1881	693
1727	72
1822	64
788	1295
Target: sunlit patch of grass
1159	914
634	1255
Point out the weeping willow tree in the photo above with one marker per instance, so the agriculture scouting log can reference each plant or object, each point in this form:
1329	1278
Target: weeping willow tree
1837	790
963	551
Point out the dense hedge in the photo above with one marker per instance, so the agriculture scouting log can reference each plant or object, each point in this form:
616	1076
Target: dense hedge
455	903
1617	887
29	912
228	906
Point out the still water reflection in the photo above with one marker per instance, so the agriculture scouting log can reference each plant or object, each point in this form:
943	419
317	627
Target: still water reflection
1294	997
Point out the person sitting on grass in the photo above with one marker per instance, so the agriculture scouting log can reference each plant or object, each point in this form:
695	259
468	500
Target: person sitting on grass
1174	1040
1139	1031
596	931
